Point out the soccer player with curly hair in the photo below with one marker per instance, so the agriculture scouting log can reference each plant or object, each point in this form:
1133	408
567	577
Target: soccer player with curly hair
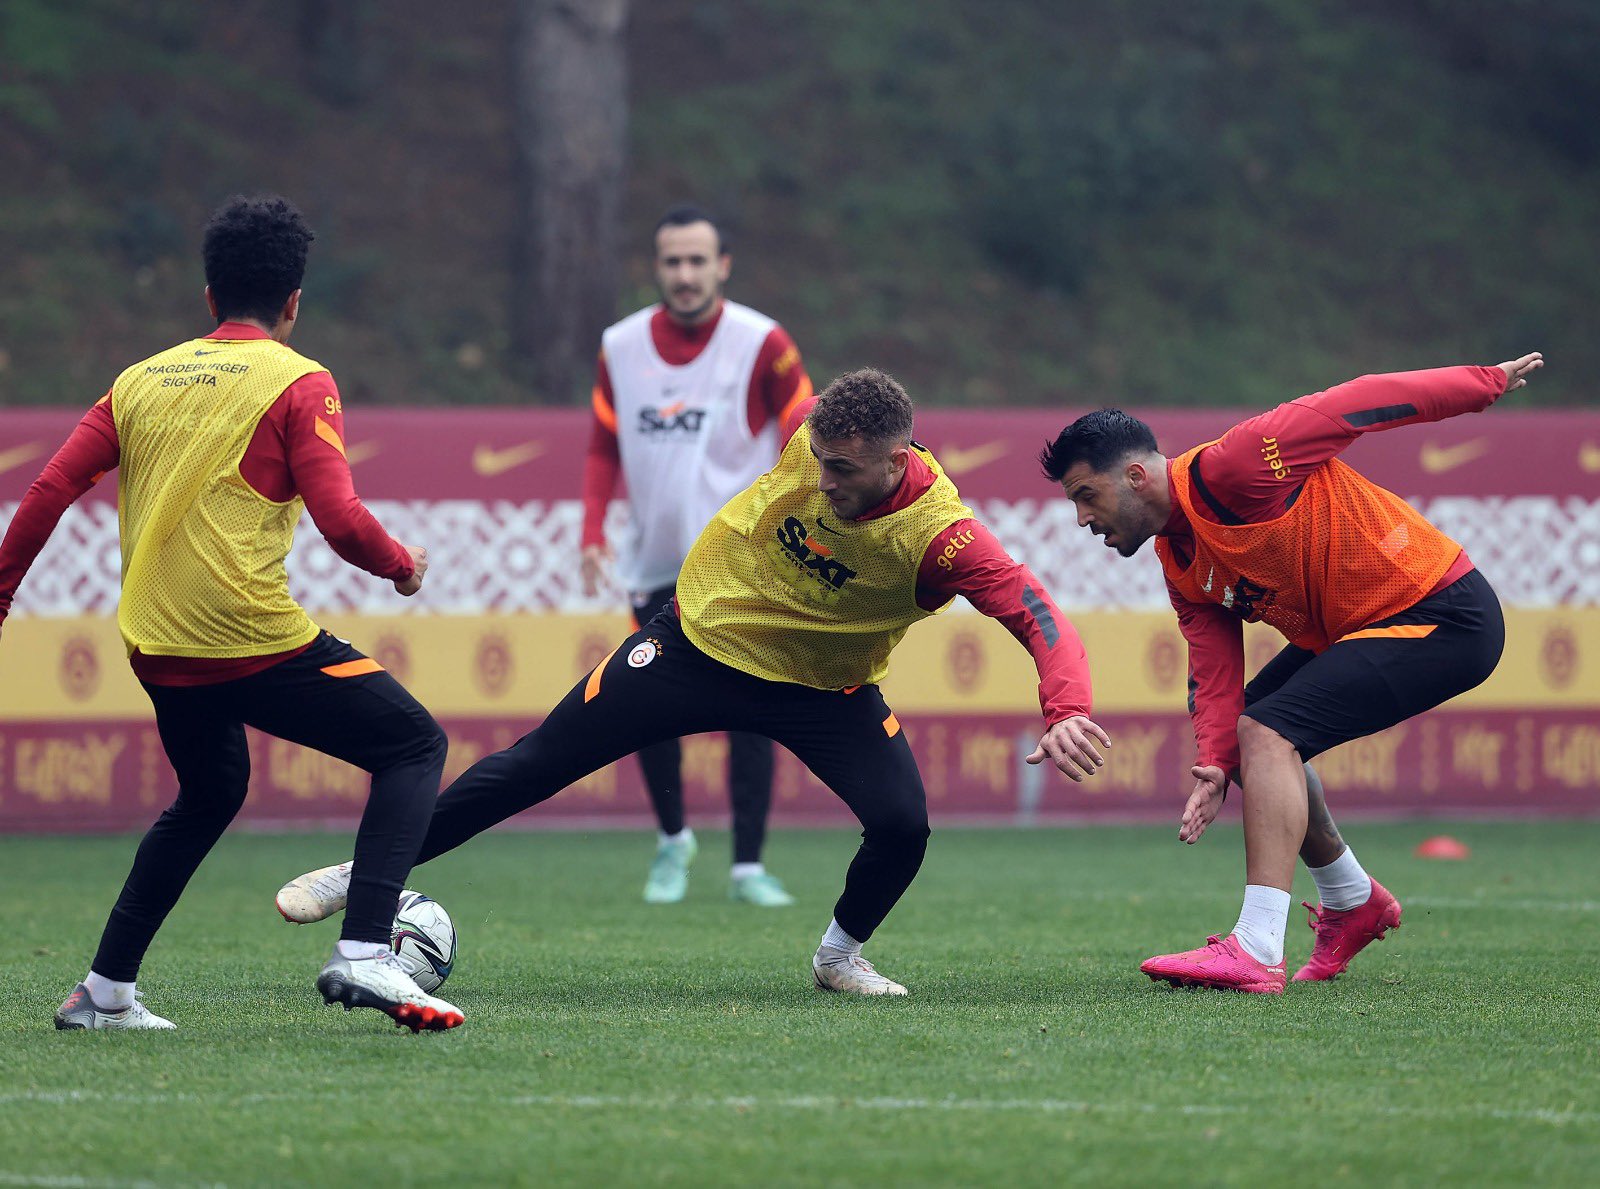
219	443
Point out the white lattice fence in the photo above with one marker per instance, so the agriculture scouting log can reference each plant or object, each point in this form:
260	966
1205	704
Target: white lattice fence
1538	551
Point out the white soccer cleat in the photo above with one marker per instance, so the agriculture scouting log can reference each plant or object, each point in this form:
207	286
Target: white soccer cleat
383	983
316	895
79	1011
850	973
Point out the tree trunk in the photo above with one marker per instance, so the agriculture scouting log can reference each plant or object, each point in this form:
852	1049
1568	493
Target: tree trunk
571	105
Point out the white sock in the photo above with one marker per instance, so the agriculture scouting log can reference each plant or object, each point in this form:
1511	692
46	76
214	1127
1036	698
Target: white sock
1342	884
837	939
683	835
746	870
1262	921
355	951
107	994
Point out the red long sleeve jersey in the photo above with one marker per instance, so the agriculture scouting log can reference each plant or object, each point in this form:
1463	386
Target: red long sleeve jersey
1255	469
288	456
778	385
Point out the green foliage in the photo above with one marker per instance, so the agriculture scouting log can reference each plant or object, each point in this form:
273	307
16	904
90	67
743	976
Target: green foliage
1058	164
42	40
1026	202
610	1042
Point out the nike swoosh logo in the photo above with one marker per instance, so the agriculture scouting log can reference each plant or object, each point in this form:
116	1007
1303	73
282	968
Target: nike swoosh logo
17	455
361	451
958	461
489	462
208	352
1206	585
1589	457
826	529
1436	460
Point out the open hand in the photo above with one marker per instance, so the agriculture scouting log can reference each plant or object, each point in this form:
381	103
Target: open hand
1070	744
1518	370
1210	786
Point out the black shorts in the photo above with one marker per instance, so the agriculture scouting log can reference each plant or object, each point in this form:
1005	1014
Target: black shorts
657	685
1359	687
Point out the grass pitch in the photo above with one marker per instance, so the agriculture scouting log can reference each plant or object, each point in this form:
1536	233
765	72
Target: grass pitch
610	1042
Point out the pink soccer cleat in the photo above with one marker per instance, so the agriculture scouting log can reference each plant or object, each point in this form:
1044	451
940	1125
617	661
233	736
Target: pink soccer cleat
1221	964
1342	934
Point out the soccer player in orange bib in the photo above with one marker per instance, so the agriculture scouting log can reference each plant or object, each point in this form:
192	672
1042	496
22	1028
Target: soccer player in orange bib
219	442
1386	617
788	606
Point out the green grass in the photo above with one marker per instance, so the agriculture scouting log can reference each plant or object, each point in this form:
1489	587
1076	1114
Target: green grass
608	1042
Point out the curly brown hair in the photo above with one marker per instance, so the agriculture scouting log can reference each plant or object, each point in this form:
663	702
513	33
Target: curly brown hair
255	256
866	403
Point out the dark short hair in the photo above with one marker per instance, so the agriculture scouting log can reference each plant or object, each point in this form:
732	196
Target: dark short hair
684	213
866	403
255	256
1102	439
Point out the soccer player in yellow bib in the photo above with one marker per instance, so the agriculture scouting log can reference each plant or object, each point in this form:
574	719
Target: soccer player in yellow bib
788	606
219	442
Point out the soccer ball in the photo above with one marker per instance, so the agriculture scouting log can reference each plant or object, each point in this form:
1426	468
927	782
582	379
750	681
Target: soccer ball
424	939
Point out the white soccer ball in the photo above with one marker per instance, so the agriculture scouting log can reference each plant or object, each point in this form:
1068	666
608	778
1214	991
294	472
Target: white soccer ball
424	939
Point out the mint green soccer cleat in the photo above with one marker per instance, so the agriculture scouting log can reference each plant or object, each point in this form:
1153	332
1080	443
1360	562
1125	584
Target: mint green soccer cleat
763	890
669	870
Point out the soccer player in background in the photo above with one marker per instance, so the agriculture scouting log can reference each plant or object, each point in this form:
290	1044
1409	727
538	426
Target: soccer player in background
689	403
219	442
1386	617
788	607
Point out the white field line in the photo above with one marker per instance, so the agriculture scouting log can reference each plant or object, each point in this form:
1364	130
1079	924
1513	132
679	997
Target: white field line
667	1102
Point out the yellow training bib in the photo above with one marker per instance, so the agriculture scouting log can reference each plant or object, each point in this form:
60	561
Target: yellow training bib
777	586
202	551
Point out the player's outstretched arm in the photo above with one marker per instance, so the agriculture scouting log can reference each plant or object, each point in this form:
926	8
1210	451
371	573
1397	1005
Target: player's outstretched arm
90	451
967	560
309	417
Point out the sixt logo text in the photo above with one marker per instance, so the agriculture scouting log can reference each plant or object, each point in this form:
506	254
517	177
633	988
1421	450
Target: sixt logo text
811	553
673	418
